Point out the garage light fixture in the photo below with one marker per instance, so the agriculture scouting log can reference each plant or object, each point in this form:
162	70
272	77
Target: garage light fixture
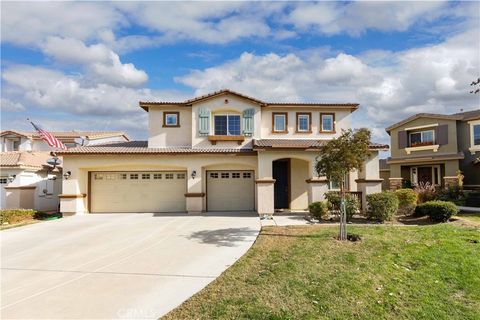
67	175
12	177
194	174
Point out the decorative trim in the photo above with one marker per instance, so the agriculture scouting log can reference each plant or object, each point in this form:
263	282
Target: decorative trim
165	125
309	114
213	139
321	123
474	149
433	147
273	121
72	196
395	178
421	127
367	180
195	195
265	181
21	187
317	180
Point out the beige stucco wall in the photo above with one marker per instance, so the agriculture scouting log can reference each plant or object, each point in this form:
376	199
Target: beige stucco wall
451	147
342	121
160	136
299	187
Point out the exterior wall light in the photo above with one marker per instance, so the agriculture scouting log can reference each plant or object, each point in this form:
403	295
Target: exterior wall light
67	175
12	177
194	174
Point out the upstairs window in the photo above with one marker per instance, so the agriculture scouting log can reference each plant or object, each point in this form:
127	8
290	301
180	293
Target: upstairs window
16	145
171	119
303	122
422	138
476	134
327	122
280	122
227	125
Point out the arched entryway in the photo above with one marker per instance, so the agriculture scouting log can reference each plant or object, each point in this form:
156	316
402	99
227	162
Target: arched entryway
290	187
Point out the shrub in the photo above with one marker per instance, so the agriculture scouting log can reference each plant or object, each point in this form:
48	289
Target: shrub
352	205
425	192
437	210
319	209
473	199
453	194
15	215
407	201
382	206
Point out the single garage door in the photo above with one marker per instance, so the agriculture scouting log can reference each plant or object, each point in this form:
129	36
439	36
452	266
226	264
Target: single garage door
230	191
160	191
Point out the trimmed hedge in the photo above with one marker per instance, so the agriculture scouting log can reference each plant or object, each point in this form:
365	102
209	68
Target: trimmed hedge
352	205
437	210
16	215
318	209
407	200
382	205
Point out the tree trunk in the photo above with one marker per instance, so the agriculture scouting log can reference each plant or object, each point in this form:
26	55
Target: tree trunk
343	212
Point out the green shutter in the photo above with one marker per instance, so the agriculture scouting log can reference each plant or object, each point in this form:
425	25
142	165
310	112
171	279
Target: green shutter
248	122
203	122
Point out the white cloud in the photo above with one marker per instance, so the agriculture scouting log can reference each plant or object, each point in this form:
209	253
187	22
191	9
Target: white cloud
12	106
430	79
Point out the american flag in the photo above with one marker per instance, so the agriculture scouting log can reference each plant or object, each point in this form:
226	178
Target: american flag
49	138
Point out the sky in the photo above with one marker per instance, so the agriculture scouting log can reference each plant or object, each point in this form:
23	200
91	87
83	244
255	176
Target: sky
86	65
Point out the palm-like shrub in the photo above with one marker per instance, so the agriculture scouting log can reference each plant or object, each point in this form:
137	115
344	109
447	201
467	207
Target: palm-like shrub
425	192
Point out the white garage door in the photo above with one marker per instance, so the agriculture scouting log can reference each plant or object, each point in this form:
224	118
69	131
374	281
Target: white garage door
230	191
162	191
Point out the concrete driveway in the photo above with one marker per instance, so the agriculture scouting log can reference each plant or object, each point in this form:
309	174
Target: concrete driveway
104	266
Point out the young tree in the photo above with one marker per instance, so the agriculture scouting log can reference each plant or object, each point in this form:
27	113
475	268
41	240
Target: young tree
338	157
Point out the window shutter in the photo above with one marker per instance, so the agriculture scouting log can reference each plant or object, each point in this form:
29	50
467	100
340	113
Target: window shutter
248	122
203	122
441	134
402	139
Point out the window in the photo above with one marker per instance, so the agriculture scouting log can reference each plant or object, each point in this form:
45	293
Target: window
122	176
214	175
16	145
227	125
169	176
235	175
247	175
335	185
157	176
180	175
225	175
327	122
134	176
280	122
110	176
303	122
476	134
421	138
171	119
3	180
98	176
145	176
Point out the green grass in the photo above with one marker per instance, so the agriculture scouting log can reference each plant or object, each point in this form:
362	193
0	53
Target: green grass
474	217
427	272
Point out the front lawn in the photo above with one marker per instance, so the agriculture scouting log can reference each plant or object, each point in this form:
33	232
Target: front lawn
424	272
473	217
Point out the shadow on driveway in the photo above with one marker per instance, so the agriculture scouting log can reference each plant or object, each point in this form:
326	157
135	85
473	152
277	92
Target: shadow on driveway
224	237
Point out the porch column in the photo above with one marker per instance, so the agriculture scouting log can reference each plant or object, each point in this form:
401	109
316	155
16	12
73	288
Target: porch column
195	195
74	199
265	201
369	178
317	187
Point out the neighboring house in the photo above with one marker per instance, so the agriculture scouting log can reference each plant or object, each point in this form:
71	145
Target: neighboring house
219	152
26	180
432	148
384	174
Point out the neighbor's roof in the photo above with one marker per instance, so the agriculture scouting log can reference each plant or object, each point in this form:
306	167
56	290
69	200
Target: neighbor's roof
24	159
190	102
464	116
90	135
141	147
301	144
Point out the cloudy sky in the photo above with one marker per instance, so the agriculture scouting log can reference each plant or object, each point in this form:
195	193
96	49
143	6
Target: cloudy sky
85	65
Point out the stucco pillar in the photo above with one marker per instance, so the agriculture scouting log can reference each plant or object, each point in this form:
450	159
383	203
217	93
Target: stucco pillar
369	178
395	183
450	181
74	198
265	200
317	187
195	196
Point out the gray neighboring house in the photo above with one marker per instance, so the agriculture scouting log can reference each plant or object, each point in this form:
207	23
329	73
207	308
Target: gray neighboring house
429	147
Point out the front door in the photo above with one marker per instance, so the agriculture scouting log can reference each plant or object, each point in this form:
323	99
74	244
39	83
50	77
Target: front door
280	174
425	174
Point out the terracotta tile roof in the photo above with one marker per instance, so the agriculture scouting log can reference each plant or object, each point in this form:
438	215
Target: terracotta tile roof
30	159
190	102
141	147
301	144
464	116
90	135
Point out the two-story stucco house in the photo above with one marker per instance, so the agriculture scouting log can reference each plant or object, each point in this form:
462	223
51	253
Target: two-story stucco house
219	152
432	148
26	180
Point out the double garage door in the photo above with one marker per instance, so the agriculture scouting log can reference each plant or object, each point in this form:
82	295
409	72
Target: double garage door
164	191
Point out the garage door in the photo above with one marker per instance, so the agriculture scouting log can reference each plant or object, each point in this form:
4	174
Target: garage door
162	191
230	191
